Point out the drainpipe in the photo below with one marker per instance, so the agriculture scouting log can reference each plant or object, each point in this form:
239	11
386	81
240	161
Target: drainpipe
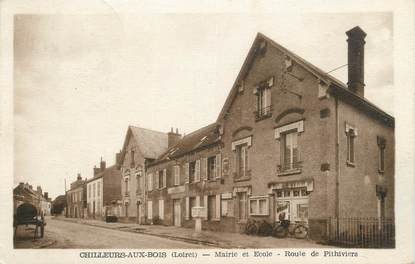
337	208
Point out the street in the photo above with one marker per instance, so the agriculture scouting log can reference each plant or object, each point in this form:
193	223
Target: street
60	234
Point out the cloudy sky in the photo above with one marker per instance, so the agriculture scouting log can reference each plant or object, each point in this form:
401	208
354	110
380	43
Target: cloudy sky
80	80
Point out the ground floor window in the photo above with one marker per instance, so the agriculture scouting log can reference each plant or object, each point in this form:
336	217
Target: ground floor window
227	207
292	203
211	207
150	210
242	201
258	205
192	203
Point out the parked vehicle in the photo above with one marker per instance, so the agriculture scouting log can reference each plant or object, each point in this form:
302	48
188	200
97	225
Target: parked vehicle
299	229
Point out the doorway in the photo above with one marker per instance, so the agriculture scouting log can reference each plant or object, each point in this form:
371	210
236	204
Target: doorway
176	212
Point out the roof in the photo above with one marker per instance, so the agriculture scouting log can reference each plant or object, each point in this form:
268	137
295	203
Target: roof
150	143
102	173
337	86
197	140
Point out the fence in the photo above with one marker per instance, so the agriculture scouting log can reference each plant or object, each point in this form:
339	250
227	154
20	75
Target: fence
361	232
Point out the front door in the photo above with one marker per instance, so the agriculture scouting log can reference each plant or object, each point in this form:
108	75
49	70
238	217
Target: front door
176	212
139	213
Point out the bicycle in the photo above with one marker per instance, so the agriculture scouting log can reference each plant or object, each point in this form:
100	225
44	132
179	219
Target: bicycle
299	230
252	227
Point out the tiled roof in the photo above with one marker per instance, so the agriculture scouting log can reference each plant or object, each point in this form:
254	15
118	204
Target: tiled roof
339	86
102	173
150	143
196	140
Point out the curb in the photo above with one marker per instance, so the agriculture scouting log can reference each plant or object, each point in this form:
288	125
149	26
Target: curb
184	239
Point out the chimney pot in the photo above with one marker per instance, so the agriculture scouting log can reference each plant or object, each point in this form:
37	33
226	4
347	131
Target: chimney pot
355	55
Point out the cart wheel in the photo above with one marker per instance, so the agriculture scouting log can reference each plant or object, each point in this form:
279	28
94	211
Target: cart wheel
300	232
280	232
42	230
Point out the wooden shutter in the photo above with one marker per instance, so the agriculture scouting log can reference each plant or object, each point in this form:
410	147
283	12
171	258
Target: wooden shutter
176	175
197	172
186	173
205	168
187	216
267	94
218	203
161	209
205	204
218	164
156	180
164	178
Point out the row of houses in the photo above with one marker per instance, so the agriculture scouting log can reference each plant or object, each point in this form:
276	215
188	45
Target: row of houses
25	193
290	138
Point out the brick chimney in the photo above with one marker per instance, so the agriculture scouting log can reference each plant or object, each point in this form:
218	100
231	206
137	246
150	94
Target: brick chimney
173	137
356	60
118	158
79	178
96	170
102	165
46	195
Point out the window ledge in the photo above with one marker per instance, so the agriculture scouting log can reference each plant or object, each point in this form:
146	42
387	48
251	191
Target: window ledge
263	117
381	171
215	219
289	172
244	221
258	214
245	178
350	164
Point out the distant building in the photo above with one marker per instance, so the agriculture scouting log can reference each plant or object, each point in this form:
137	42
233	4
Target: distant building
24	193
103	192
76	198
141	146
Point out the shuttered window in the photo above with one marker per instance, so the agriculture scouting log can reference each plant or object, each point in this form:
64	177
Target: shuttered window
161	209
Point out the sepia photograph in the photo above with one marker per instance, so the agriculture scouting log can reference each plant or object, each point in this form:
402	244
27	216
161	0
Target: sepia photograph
268	132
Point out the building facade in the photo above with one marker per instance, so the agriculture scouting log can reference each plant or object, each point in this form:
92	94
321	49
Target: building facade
103	192
76	199
289	138
141	146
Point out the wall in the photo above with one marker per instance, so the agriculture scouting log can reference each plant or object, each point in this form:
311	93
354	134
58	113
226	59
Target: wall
358	183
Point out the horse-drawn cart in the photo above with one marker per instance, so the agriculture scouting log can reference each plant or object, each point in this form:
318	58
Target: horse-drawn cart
27	214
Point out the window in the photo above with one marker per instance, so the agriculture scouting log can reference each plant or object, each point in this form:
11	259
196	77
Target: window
132	159
127	191
381	146
211	207
176	175
302	211
99	189
258	206
242	159
89	191
161	209
211	168
94	187
242	200
350	135
160	179
150	209
192	203
290	151
227	207
150	182
263	93
192	171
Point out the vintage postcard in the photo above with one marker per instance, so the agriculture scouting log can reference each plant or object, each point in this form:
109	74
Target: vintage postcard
186	132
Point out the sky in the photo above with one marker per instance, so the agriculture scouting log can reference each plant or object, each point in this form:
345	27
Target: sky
80	80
